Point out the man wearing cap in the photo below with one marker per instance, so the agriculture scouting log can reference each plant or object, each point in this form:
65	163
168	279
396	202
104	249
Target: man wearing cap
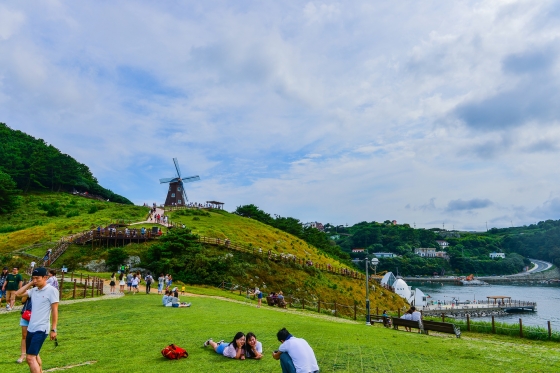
45	306
11	285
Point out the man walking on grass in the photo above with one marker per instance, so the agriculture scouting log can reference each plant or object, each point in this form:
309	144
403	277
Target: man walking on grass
11	285
45	306
295	354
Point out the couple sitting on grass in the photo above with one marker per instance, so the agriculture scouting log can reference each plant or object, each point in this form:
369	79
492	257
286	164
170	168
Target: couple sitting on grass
295	354
171	299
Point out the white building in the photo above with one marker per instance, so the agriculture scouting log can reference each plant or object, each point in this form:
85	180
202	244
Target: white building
443	244
497	255
415	297
430	252
385	255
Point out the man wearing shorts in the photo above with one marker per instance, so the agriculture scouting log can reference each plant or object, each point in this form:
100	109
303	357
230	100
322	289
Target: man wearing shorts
45	305
11	285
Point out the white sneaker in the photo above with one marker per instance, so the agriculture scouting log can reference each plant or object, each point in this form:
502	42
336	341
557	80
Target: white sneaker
207	342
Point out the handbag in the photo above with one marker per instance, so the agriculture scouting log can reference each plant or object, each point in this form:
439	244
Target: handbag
26	310
26	315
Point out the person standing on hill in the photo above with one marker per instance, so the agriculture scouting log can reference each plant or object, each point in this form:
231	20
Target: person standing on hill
295	354
52	281
45	307
11	285
161	281
3	277
129	281
149	279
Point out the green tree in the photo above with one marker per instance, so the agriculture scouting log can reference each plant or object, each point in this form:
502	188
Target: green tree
9	198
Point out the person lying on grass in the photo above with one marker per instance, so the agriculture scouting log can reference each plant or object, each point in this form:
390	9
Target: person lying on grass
234	350
253	348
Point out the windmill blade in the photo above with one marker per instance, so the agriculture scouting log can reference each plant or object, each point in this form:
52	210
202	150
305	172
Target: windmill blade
185	198
190	179
177	167
167	180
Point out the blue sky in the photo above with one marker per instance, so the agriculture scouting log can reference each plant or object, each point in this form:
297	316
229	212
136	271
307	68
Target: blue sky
424	112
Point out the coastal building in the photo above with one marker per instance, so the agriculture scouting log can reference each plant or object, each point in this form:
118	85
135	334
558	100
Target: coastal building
430	252
385	255
415	297
497	255
315	224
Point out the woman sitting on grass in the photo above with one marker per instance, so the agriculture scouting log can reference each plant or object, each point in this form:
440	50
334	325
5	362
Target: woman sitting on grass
253	348
175	302
233	350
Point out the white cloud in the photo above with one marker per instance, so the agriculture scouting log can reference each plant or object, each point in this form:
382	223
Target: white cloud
329	111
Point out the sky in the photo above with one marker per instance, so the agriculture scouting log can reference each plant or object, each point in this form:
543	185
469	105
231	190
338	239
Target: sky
431	113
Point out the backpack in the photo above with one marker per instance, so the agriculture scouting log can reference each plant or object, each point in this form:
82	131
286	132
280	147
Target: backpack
174	352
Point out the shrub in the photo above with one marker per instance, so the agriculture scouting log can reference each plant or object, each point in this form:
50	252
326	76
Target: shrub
72	213
93	209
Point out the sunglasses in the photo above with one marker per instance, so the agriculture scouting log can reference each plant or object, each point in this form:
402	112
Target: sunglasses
55	342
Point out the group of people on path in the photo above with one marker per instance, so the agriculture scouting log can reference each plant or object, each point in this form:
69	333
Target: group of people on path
295	354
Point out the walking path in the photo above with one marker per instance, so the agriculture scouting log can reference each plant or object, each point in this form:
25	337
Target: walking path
159	211
106	296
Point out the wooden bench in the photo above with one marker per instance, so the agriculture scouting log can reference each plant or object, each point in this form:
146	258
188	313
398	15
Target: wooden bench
270	301
282	303
379	319
442	327
397	321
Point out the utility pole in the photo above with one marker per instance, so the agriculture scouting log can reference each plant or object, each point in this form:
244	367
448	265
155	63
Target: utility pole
486	226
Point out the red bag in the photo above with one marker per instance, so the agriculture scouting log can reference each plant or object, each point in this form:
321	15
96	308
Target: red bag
26	315
174	352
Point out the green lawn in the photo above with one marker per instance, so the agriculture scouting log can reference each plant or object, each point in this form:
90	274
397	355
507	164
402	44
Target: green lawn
127	334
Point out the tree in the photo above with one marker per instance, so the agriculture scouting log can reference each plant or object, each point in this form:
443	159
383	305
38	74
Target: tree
9	198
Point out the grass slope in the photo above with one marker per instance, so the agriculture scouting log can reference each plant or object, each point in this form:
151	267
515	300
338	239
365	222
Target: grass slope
29	224
222	224
127	334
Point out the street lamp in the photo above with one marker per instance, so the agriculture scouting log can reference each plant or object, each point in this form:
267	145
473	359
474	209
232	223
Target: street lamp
374	262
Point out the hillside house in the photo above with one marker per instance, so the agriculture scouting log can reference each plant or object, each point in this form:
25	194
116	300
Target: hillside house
430	252
385	255
358	250
497	255
443	244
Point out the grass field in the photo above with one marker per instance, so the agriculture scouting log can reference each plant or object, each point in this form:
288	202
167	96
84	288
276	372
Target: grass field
127	334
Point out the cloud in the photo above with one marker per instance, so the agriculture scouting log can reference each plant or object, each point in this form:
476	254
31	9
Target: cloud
473	204
331	111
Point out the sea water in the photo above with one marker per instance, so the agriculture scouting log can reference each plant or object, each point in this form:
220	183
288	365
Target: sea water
546	297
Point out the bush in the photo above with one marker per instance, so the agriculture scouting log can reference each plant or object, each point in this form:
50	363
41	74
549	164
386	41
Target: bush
72	213
93	209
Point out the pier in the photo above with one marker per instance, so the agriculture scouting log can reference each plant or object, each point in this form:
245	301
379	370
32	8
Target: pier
497	304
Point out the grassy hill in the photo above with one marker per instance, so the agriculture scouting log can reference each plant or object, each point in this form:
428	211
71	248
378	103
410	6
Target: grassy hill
124	334
222	224
45	217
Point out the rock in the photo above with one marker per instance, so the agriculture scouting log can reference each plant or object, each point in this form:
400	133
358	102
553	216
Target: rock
96	266
132	261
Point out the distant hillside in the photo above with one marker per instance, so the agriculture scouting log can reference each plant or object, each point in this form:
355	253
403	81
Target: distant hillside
468	252
36	166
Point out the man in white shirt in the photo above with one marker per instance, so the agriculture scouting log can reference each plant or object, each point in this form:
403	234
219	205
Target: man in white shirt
45	306
416	316
295	354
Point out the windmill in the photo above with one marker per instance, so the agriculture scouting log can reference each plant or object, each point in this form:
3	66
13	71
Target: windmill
176	194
